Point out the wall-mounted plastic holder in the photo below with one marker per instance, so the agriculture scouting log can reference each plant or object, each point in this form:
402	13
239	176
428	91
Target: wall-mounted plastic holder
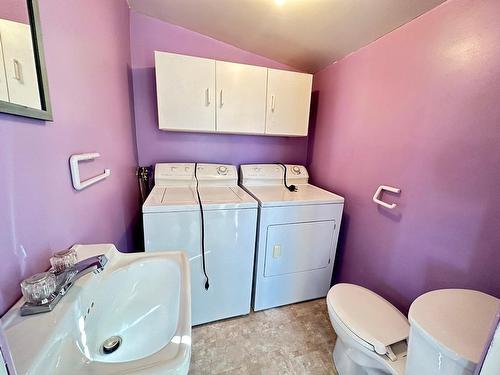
376	196
75	170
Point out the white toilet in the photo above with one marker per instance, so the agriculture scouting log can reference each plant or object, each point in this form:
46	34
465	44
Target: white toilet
447	332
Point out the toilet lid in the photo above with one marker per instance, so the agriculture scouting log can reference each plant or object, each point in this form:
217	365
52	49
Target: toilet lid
368	315
456	319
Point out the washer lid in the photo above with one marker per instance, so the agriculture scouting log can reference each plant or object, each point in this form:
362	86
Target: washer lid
184	198
368	316
171	198
278	195
225	198
457	319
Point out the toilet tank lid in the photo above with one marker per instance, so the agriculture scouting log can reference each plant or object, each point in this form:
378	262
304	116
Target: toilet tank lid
368	316
458	320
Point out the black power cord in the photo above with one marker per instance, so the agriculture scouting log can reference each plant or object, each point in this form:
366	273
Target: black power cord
291	188
207	285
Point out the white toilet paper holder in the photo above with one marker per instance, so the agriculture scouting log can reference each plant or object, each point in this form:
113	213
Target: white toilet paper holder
75	170
376	196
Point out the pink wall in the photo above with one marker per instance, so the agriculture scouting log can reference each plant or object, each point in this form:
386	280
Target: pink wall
417	109
149	34
14	10
87	59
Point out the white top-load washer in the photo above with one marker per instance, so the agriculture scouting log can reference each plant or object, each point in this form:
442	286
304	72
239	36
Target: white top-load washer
172	221
297	235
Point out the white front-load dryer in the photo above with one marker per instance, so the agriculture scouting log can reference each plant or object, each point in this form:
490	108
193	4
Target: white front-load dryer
297	234
172	221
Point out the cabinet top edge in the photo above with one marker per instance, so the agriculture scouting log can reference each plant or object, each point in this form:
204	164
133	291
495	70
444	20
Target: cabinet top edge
156	52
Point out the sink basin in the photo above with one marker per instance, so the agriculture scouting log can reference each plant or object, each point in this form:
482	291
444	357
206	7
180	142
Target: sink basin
134	317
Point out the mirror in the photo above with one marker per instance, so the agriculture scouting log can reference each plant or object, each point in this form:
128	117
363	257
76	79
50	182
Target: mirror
23	78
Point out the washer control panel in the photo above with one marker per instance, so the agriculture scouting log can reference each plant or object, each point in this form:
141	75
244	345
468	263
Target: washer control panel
224	174
174	174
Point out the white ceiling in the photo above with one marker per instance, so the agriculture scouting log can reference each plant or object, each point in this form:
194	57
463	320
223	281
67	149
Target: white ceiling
305	34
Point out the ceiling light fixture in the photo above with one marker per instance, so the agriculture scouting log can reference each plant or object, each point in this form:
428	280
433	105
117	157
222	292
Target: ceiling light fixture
279	2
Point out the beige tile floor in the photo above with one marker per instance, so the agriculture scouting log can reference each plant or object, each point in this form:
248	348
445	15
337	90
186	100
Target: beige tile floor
294	339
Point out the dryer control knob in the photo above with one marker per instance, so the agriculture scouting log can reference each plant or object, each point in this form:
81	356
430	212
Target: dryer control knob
296	169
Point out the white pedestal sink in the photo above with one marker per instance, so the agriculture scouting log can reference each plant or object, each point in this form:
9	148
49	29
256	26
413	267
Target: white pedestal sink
142	300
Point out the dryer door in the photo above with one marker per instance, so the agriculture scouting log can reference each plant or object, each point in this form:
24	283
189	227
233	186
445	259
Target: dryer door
298	247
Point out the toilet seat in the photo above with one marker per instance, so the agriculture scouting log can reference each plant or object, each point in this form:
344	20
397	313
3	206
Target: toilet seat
369	317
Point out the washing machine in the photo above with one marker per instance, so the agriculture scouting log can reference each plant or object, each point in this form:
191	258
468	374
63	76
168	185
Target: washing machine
172	221
297	234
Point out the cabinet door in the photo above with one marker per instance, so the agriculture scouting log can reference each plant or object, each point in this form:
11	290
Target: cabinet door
20	69
241	98
4	94
288	102
185	88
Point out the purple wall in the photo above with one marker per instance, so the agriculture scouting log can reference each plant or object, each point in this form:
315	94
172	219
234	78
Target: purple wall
418	109
88	78
154	145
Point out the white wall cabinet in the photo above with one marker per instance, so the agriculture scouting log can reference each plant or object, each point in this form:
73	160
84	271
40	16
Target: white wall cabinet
185	88
203	95
241	100
288	102
4	93
19	64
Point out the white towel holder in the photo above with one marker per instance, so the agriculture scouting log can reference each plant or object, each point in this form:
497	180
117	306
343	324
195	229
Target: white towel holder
75	170
376	196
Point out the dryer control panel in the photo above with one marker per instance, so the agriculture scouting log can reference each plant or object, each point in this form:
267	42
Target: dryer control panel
271	174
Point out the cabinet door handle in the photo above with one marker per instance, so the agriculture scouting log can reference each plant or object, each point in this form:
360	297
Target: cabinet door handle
221	99
18	72
207	94
273	101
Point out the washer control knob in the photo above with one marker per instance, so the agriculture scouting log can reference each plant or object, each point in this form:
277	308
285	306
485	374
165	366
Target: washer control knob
296	169
187	169
222	170
173	169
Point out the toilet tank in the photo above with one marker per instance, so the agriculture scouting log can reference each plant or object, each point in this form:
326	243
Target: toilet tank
449	329
491	364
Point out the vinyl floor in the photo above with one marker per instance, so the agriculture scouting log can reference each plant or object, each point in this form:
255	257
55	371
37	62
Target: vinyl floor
294	339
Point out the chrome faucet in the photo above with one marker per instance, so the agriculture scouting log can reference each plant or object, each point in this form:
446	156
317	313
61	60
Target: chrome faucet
64	281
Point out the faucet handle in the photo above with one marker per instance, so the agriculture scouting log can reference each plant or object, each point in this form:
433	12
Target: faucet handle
39	288
63	260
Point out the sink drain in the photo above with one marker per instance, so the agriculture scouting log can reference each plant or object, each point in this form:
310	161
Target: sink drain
111	345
